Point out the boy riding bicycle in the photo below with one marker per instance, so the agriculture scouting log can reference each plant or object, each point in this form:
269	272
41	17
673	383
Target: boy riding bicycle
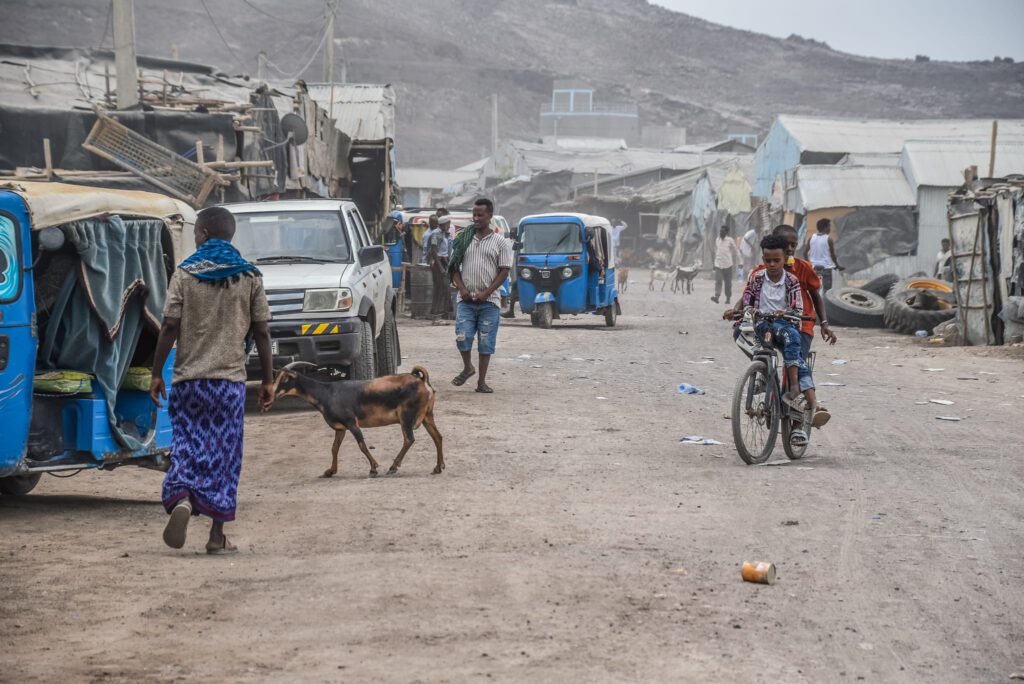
777	291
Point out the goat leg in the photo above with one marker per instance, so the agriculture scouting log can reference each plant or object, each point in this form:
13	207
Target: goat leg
358	434
408	420
339	434
435	434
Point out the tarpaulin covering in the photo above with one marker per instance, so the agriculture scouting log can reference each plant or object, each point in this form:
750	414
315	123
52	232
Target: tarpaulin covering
869	234
516	199
118	290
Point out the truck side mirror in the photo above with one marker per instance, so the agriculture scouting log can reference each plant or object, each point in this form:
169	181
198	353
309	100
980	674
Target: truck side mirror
516	246
368	256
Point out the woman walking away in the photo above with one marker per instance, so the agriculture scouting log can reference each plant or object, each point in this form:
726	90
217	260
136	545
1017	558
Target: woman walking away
727	255
214	301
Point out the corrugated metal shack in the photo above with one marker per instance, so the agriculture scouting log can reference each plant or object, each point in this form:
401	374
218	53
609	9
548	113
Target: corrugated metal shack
887	179
365	114
226	124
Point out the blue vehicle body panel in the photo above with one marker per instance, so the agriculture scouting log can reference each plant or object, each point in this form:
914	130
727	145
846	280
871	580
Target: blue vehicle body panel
18	342
87	439
581	293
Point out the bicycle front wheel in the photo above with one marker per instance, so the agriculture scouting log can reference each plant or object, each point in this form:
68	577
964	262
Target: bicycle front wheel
755	414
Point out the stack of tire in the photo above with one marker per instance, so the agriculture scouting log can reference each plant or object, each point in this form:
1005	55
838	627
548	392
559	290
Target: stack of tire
906	306
859	307
919	303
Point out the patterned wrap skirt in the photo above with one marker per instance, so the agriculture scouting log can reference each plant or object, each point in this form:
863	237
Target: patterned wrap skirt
207	417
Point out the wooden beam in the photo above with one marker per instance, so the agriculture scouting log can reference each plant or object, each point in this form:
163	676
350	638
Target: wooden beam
992	151
47	158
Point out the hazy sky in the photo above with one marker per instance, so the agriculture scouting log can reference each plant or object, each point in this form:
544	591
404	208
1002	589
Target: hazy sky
941	29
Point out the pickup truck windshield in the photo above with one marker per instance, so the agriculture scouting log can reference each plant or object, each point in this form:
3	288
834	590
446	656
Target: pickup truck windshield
292	236
551	238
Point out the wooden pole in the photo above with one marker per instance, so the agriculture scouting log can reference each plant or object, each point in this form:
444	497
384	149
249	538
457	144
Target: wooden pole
124	53
47	158
992	151
200	156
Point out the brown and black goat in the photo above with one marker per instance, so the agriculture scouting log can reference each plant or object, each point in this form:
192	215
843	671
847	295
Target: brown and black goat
350	405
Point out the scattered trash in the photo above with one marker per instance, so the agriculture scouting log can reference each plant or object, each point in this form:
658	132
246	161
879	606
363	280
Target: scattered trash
921	333
1017	675
576	358
941	402
840	362
698	439
987	373
678	571
967	378
790	523
933	370
524	356
952	419
605	398
709	358
700	362
937	340
921	403
898	365
760	572
831	384
536	365
689	389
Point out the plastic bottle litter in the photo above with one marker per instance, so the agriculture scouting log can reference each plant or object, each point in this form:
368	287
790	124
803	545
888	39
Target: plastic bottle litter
686	388
840	362
921	333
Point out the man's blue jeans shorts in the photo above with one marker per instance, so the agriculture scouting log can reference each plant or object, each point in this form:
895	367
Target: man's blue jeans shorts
480	321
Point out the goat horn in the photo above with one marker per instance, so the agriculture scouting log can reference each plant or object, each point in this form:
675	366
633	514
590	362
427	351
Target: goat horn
299	364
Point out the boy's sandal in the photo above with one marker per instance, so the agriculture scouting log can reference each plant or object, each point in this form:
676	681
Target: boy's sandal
820	417
798	438
796	401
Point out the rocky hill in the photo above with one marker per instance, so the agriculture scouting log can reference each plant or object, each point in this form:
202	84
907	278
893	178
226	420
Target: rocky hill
446	57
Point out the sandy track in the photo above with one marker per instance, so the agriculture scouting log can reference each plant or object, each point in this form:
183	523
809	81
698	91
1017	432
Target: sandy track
571	538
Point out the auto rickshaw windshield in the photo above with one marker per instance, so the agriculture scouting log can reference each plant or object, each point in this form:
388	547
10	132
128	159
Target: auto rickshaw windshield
551	238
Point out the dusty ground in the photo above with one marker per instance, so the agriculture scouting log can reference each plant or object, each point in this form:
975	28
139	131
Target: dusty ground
572	538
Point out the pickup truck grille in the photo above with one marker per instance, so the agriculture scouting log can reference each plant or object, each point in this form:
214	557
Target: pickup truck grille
285	301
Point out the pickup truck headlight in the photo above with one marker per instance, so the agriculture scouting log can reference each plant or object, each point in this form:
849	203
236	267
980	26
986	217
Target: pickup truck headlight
335	299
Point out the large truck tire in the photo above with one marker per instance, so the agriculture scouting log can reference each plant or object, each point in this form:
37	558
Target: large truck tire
854	308
909	309
364	367
881	285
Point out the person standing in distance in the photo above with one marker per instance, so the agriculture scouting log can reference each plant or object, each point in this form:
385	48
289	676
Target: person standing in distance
215	301
727	255
820	250
479	263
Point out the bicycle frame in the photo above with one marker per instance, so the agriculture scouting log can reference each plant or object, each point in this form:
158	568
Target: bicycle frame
751	345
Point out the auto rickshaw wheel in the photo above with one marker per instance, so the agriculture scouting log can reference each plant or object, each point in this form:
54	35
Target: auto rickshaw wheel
17	485
611	315
545	312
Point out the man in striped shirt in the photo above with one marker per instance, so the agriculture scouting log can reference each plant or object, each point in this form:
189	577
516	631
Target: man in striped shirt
485	265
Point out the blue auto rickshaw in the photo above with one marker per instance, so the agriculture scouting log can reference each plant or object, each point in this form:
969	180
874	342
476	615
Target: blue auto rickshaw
565	264
83	278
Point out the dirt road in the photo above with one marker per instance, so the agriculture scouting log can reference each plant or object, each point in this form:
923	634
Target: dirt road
572	537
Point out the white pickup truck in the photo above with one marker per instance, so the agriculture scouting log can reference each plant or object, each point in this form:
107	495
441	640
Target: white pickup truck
328	285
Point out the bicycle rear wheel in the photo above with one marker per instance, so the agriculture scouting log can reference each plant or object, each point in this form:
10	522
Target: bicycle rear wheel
793	453
755	414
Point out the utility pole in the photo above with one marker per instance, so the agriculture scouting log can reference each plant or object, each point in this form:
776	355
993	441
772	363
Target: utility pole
124	54
261	67
494	125
329	44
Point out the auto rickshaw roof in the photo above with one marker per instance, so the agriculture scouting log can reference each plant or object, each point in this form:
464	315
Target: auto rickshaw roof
588	220
53	204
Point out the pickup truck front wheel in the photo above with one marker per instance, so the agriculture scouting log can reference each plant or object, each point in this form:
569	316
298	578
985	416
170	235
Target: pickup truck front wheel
17	485
387	346
364	366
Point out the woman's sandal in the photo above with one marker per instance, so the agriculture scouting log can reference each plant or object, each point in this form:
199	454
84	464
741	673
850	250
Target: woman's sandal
177	525
460	379
225	547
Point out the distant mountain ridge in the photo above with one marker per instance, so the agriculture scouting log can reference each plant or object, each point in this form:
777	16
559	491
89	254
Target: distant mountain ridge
445	58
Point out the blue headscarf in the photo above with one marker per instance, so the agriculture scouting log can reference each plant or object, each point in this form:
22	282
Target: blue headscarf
217	260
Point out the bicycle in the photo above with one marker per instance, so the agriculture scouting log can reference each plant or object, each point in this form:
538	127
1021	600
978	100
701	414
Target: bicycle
757	399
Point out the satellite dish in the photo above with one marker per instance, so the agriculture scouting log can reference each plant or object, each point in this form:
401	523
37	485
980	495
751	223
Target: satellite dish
295	128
